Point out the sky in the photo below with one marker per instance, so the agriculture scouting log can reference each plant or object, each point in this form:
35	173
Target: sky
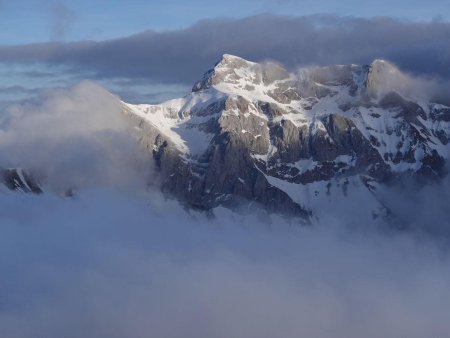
152	66
151	51
121	260
26	21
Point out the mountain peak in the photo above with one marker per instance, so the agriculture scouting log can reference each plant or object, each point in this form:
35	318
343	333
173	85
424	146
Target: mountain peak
233	73
295	142
230	62
230	57
382	76
381	65
230	69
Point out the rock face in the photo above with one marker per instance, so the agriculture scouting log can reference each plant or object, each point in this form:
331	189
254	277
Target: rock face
254	132
320	139
19	180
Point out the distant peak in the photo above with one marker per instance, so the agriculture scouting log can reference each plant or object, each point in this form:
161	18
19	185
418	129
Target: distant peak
383	65
232	61
382	76
227	57
226	70
380	61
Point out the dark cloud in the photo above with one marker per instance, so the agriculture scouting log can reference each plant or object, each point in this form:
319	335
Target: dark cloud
182	55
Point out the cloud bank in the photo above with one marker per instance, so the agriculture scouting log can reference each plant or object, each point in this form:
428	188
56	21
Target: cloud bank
111	265
180	56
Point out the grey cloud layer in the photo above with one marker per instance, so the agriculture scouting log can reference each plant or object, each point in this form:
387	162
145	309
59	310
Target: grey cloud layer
109	265
181	56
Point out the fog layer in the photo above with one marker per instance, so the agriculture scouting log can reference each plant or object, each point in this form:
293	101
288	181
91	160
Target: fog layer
120	261
113	265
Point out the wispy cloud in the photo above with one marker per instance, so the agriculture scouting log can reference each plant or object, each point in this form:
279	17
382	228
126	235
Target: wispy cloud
73	138
62	17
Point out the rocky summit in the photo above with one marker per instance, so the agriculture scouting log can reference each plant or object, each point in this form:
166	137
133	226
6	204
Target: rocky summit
296	143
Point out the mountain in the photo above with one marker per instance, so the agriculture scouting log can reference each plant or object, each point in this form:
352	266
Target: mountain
302	144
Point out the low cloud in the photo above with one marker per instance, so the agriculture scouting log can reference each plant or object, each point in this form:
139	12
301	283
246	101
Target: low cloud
385	77
111	265
73	138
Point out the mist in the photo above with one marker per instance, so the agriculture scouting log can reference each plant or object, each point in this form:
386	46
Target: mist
390	78
73	138
112	265
122	260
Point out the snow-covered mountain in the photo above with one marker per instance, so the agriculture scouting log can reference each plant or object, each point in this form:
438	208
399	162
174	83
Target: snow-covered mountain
301	143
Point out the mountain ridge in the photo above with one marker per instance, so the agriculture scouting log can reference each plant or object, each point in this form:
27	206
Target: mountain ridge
295	143
278	128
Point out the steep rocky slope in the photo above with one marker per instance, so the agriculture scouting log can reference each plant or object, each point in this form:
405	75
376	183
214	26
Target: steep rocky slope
296	143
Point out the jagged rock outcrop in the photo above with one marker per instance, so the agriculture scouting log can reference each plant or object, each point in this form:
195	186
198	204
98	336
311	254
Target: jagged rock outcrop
255	132
19	180
296	143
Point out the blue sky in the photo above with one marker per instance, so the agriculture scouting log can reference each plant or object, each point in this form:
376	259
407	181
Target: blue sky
26	21
184	38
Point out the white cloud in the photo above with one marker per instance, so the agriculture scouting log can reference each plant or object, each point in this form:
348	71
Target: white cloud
73	138
110	265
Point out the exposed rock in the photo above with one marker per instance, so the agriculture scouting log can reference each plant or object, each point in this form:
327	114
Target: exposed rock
19	180
267	124
254	133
